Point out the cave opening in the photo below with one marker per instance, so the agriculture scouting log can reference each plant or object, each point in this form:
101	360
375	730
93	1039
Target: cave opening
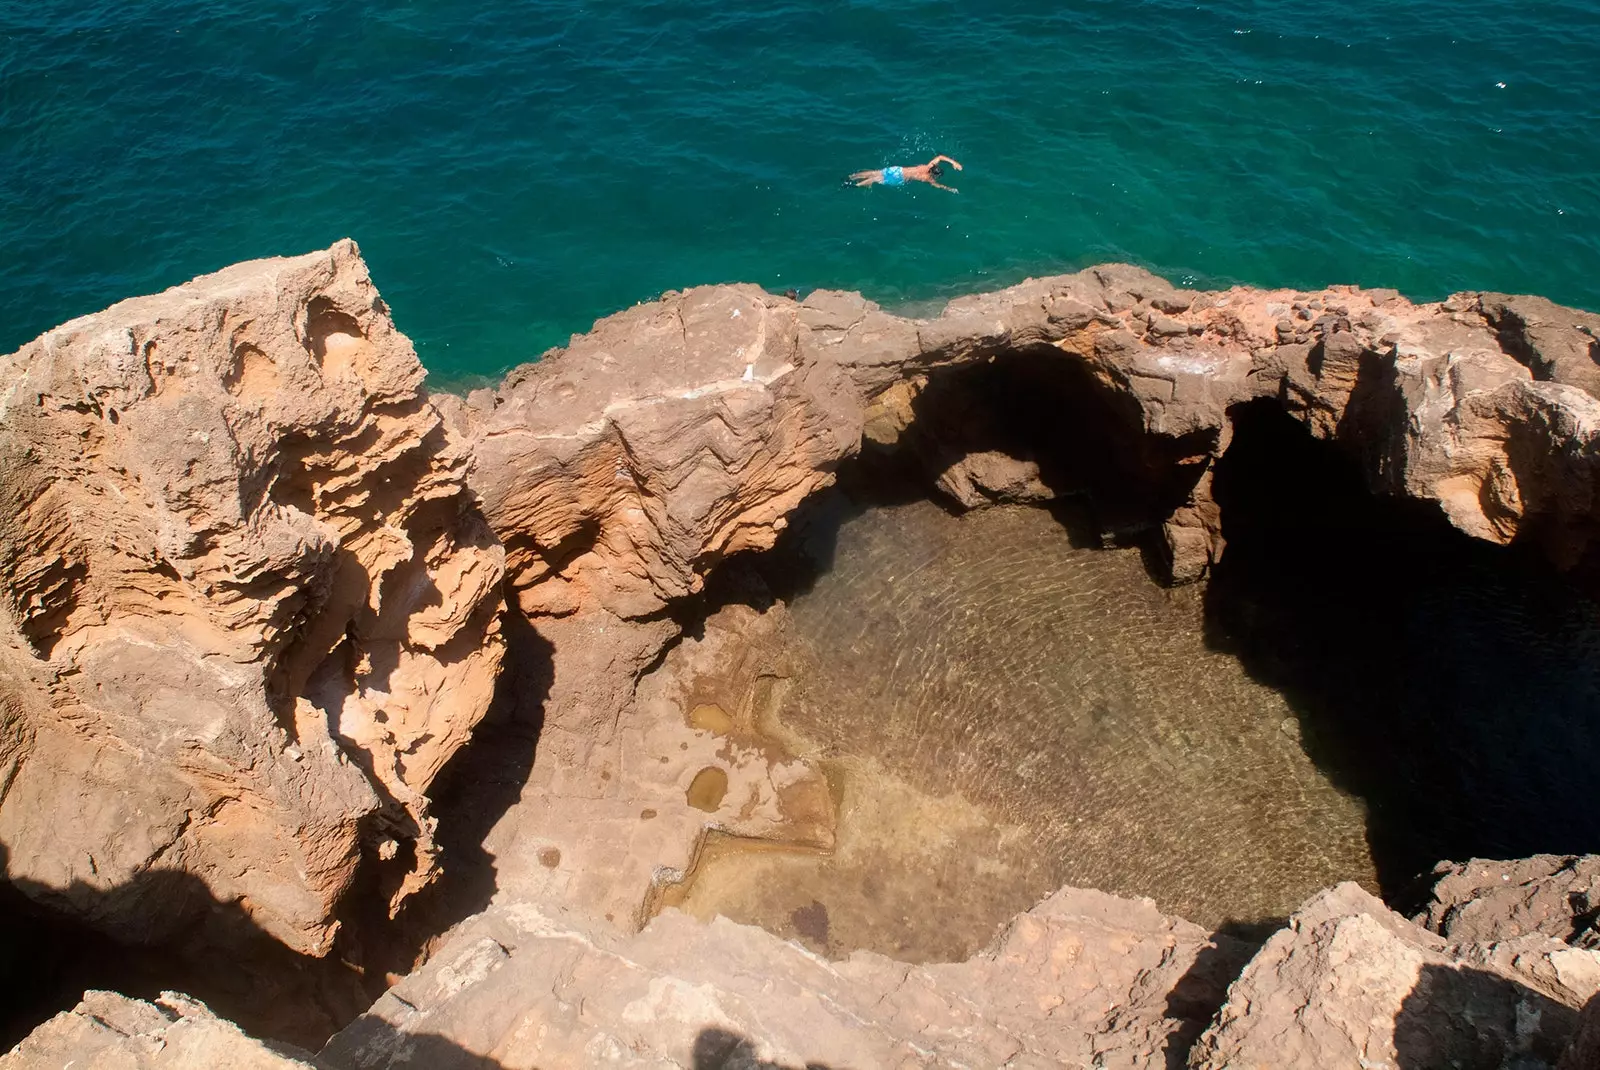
1451	684
978	647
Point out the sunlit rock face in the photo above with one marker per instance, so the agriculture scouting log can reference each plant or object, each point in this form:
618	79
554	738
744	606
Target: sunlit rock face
249	611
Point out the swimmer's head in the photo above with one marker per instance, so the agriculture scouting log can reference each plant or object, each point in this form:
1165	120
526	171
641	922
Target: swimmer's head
936	171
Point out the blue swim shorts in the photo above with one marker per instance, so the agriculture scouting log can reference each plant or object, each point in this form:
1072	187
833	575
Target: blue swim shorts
894	176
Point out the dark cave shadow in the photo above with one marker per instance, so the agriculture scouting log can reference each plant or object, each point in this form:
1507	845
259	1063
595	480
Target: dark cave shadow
718	1049
1477	1020
1113	482
1451	684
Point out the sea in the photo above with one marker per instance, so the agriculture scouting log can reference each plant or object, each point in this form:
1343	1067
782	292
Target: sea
514	169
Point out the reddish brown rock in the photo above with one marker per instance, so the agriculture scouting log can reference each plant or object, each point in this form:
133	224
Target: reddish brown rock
1561	345
1482	901
618	472
991	477
249	610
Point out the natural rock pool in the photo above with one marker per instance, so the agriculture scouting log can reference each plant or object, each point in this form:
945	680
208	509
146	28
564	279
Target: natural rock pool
1003	712
1004	707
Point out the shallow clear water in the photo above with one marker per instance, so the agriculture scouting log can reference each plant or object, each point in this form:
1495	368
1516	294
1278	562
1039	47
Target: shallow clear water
514	169
1006	713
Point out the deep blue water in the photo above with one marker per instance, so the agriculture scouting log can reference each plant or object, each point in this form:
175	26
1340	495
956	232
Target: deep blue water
514	170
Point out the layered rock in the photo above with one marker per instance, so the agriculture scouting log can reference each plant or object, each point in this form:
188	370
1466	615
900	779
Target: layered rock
251	609
248	609
620	470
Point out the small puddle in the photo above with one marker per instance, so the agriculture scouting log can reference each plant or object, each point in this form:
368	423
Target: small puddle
708	788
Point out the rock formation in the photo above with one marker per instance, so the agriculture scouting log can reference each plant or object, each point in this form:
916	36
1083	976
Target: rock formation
1082	979
1350	983
111	1032
1484	900
620	471
249	610
252	595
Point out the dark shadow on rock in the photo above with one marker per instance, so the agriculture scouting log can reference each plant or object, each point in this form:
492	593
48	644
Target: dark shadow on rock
386	1048
47	958
718	1049
291	1002
1451	684
1476	1020
1042	404
1202	991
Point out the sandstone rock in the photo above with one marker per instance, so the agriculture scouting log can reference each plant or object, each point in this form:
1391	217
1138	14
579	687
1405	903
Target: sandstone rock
248	609
1485	901
990	477
111	1032
1083	979
1350	983
620	470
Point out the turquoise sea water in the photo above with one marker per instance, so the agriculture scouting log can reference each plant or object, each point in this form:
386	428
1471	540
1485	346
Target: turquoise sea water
513	170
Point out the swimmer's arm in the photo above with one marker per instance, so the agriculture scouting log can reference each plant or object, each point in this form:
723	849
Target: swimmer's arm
941	185
949	160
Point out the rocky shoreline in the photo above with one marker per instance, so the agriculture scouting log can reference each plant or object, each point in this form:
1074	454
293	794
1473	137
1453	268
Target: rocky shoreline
261	587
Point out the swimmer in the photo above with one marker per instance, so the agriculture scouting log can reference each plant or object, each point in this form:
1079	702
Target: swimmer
929	172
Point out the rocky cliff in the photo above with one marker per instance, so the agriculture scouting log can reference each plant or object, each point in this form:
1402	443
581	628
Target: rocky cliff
249	609
252	606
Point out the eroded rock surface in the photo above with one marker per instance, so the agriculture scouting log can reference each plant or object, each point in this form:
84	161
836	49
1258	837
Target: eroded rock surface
248	609
1082	979
111	1032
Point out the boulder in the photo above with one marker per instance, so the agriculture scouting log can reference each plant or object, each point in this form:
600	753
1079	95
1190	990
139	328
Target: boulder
991	477
1482	901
